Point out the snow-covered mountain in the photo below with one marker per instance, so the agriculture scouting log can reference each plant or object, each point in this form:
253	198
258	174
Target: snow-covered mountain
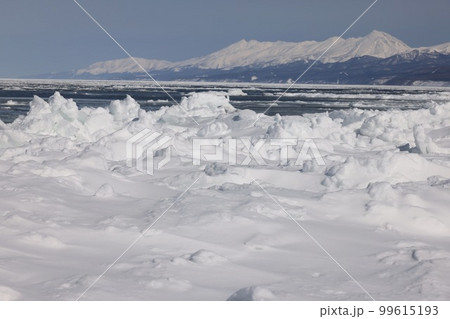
255	53
441	48
246	53
125	66
377	58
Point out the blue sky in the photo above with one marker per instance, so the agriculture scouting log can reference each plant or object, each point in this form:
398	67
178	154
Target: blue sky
55	35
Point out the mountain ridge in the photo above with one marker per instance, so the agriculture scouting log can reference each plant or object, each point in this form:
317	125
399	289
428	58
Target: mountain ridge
264	53
377	58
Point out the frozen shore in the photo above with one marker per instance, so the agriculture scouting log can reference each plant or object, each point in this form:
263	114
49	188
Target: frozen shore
70	205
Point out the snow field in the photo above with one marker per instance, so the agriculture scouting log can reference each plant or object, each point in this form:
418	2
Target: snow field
70	205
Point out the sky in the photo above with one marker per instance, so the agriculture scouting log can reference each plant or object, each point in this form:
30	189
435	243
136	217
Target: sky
55	35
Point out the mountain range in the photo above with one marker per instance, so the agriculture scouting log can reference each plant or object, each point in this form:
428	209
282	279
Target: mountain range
377	58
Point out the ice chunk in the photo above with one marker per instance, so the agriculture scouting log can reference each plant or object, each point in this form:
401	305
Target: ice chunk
124	110
424	143
204	104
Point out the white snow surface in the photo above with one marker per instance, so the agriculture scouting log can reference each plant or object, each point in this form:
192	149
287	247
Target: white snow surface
70	206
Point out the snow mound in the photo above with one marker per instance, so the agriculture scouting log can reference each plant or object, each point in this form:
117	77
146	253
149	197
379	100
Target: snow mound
204	104
215	129
245	115
424	143
309	126
397	126
44	240
206	257
381	191
124	110
105	191
8	294
61	117
394	167
253	293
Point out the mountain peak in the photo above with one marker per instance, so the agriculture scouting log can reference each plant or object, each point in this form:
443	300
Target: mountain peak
377	33
242	42
377	44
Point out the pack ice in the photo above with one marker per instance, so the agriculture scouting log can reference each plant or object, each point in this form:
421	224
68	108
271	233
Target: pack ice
70	206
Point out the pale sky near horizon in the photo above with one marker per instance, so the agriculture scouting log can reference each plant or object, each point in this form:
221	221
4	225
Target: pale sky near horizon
55	35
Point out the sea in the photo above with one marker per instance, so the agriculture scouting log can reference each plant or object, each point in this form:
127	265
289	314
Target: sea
284	99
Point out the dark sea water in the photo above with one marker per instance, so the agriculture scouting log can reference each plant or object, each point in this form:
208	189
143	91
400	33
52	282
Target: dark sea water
15	95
